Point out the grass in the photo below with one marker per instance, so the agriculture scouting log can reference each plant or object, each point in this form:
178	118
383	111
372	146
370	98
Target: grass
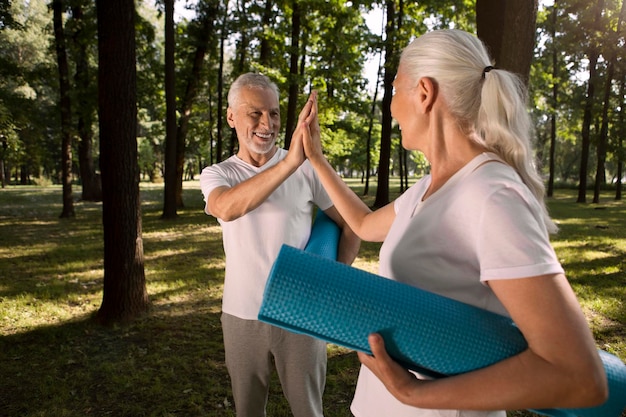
56	362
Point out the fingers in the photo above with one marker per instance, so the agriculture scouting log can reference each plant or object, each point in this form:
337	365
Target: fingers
312	115
308	128
377	344
312	148
395	377
379	361
309	106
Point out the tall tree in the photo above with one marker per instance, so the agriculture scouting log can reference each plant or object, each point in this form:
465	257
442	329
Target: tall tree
294	79
265	50
202	35
370	127
170	177
555	100
83	29
508	30
220	84
29	93
613	47
66	110
593	54
391	67
621	131
125	295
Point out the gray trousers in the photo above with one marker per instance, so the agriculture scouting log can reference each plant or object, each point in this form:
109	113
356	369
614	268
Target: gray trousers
252	350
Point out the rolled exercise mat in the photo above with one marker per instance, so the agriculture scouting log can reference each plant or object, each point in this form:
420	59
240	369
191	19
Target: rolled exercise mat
434	335
324	238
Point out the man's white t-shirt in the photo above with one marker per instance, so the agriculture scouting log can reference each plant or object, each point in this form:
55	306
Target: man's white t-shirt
483	224
252	242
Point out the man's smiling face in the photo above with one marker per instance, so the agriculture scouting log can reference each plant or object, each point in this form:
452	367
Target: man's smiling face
256	119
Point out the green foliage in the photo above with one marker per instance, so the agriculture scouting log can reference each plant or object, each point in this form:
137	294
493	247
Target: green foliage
561	62
27	86
334	44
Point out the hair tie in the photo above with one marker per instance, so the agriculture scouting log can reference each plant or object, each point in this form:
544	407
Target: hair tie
486	70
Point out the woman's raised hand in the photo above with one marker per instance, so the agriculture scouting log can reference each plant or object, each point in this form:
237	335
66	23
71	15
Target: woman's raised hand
311	134
296	151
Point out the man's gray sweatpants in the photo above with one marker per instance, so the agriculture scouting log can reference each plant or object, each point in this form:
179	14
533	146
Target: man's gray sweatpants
253	348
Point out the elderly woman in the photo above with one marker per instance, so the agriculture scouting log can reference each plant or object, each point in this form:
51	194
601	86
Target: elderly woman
475	229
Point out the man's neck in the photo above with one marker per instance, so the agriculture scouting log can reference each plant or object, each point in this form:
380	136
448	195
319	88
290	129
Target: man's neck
256	159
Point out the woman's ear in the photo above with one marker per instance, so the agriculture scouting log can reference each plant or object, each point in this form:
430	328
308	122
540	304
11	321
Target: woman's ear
427	91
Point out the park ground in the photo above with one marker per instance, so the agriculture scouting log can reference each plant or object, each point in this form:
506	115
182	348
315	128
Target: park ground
56	362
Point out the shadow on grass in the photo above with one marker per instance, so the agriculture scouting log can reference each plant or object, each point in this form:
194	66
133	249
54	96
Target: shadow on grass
168	363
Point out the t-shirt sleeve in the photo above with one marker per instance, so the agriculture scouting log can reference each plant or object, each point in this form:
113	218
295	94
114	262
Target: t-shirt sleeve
514	242
211	178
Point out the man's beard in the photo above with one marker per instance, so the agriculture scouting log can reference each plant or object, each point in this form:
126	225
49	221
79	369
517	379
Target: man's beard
261	149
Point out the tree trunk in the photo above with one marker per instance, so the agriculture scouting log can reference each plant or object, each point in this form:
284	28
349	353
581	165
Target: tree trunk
66	111
220	89
171	175
368	146
603	137
604	128
92	189
3	174
391	67
593	54
266	50
620	140
294	55
555	102
125	295
203	36
586	128
368	157
508	30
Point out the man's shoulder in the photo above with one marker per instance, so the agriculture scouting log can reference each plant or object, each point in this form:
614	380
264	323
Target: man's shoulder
226	165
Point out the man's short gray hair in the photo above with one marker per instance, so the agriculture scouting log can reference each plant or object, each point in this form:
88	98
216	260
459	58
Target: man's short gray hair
250	80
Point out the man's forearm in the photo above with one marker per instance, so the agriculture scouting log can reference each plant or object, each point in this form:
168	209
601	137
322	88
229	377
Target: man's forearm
231	203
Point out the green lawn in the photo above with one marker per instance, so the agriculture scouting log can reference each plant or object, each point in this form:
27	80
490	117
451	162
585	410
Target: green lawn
56	362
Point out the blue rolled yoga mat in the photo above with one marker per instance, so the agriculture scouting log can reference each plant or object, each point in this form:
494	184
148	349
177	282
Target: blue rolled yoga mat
313	294
324	239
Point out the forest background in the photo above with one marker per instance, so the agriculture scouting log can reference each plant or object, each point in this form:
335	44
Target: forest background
109	95
48	70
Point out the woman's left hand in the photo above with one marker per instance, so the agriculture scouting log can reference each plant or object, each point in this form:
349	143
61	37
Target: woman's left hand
401	383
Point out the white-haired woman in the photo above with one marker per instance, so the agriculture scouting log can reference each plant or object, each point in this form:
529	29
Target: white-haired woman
475	229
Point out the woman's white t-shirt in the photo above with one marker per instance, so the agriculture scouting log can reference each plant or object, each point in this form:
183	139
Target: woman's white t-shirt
483	224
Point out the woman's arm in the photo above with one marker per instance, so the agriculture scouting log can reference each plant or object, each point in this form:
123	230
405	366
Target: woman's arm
349	242
367	224
560	369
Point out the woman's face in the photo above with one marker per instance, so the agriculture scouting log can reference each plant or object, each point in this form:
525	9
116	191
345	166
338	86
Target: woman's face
403	107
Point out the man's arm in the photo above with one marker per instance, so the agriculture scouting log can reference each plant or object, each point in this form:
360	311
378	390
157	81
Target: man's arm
230	203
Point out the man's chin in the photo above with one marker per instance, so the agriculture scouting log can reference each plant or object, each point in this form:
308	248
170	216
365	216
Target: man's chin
265	148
